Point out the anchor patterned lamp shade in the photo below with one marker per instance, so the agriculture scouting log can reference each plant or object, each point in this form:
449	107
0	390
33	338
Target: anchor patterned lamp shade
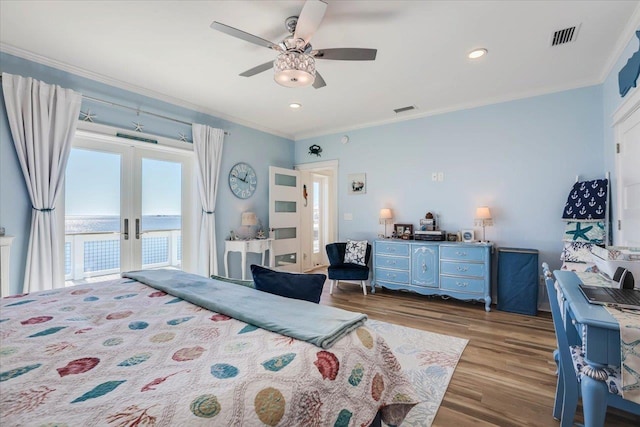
587	201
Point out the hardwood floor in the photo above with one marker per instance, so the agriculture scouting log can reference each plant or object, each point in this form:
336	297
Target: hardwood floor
506	375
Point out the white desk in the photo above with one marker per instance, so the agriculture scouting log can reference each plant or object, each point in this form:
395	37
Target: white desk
258	246
5	259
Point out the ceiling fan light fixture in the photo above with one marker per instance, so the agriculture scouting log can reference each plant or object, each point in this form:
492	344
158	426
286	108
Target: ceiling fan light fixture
294	69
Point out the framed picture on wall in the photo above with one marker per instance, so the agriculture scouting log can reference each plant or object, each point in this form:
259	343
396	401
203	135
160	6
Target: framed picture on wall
357	183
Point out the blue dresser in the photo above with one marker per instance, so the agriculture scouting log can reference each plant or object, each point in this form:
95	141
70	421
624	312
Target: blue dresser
458	270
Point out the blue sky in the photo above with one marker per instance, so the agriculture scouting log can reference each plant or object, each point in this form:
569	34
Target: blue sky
93	185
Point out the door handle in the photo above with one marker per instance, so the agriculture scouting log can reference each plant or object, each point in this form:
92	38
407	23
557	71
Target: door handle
137	228
126	229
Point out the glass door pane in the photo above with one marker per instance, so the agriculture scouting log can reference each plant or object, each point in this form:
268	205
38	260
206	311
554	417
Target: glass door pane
92	213
161	213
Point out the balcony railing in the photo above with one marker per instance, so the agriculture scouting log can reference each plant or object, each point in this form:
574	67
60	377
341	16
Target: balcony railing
98	254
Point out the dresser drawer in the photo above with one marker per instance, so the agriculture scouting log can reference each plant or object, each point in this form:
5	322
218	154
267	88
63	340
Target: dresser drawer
400	249
462	268
463	253
397	276
399	263
462	284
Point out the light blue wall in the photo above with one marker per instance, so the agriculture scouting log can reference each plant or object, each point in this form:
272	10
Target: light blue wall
612	101
520	158
257	148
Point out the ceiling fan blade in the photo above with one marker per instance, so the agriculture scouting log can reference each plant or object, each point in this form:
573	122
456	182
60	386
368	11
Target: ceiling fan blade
243	35
309	19
346	54
319	81
257	70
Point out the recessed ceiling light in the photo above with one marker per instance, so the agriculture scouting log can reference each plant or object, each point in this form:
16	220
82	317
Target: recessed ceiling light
295	105
477	53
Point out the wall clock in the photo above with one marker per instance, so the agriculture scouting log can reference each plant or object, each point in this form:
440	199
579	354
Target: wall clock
242	180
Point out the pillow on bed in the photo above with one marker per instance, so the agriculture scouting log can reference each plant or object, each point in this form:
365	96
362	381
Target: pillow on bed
355	252
302	286
247	283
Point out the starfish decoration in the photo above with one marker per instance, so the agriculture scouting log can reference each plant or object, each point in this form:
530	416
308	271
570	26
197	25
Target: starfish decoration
182	136
88	116
138	126
579	232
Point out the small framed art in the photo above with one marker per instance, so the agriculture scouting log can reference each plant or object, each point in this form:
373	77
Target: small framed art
403	231
468	236
357	183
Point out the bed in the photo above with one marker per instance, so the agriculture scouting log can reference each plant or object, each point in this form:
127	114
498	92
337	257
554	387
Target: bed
123	353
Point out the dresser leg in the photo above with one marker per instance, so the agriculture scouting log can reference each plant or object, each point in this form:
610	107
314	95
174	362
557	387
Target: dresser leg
487	304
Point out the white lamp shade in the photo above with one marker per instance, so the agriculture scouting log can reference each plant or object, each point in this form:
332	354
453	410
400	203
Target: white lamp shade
483	213
249	218
386	213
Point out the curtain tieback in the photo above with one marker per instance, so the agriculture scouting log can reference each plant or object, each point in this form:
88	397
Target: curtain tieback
42	210
208	212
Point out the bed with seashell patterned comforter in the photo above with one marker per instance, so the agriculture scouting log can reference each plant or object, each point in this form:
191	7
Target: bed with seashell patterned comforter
120	353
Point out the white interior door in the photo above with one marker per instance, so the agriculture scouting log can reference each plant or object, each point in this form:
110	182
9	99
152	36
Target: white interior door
127	207
629	179
284	217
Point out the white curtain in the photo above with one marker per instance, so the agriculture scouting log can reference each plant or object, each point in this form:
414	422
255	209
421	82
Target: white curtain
207	145
42	119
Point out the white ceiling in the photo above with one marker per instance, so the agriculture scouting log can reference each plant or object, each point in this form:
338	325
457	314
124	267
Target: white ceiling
167	50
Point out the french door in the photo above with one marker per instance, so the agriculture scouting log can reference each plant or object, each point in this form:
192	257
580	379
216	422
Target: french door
127	207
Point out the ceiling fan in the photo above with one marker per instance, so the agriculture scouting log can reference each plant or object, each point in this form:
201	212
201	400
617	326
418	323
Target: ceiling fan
295	64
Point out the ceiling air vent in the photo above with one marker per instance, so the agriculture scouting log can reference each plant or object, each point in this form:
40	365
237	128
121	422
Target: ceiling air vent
567	35
403	109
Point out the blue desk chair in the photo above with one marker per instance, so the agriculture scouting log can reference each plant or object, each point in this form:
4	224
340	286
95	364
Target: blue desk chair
338	270
570	360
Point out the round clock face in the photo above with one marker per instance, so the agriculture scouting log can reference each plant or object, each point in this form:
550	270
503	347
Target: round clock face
242	180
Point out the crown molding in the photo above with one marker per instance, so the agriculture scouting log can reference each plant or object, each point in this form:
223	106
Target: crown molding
33	57
628	34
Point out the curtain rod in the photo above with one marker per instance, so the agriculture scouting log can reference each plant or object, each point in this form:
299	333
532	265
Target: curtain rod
137	110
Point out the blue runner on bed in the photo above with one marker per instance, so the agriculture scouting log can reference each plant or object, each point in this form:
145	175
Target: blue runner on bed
317	324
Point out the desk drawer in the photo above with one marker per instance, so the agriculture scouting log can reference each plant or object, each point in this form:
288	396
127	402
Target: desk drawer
392	275
462	284
399	249
462	268
463	253
399	263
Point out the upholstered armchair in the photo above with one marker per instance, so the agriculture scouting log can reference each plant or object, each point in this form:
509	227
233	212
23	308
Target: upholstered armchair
339	270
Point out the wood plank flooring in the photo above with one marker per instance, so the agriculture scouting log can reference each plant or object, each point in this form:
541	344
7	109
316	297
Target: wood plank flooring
506	376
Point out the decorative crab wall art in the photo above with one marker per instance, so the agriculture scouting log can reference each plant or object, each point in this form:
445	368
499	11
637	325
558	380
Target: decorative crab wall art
315	149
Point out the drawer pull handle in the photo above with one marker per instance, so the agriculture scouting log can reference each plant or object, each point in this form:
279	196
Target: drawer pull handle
424	267
391	276
462	284
391	262
460	253
459	268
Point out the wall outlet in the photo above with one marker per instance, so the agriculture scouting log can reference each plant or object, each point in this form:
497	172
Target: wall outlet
440	176
434	176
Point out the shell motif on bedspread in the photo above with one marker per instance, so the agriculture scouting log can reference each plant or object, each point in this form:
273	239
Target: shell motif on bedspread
328	365
141	361
78	366
35	320
186	354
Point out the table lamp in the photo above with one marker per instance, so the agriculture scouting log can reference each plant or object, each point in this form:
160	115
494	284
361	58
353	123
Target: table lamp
386	215
249	219
483	218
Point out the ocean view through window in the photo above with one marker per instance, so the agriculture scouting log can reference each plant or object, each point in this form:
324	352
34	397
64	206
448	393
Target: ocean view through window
123	210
